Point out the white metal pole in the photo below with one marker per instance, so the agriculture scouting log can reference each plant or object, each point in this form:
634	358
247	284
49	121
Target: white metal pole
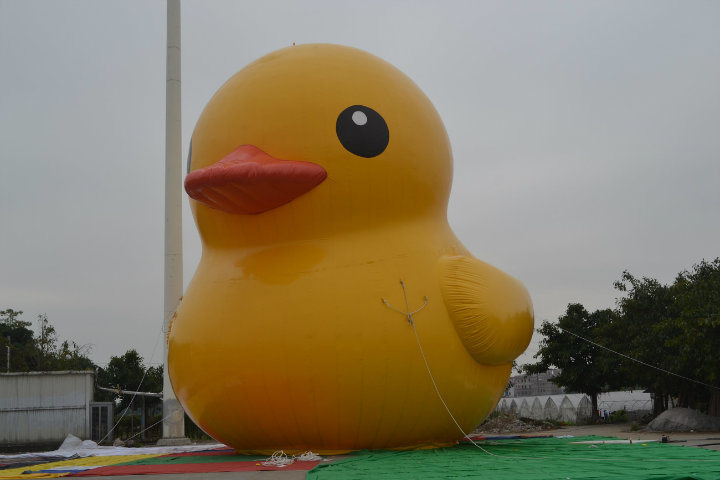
173	415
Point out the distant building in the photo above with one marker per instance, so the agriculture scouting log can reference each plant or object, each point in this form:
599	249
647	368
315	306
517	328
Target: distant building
39	409
534	385
576	407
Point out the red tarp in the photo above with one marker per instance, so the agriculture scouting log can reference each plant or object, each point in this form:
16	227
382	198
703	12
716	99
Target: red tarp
190	468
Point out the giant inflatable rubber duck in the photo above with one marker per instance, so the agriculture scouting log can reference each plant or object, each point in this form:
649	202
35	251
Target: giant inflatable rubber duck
333	308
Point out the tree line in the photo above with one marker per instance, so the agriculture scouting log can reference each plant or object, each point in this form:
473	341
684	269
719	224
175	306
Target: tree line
24	350
661	338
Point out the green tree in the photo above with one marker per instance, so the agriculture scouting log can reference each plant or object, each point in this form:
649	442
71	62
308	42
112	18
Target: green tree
16	334
71	356
128	372
31	352
692	334
585	368
675	328
644	307
154	379
46	343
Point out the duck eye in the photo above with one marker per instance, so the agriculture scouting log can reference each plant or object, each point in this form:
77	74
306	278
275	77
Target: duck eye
362	131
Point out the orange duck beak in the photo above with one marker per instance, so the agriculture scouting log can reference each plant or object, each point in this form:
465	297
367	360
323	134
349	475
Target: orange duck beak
249	181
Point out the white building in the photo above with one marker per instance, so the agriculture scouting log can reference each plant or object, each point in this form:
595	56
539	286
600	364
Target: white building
576	407
534	385
39	409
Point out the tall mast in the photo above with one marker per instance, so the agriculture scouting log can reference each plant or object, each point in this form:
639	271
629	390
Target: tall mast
173	414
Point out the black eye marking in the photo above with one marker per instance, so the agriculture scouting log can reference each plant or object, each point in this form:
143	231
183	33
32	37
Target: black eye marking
362	131
189	157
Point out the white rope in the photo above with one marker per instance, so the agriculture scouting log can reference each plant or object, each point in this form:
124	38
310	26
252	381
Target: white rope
278	459
148	428
136	390
407	314
437	391
636	360
308	457
411	321
281	459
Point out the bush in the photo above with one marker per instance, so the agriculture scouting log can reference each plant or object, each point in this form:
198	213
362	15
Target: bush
619	417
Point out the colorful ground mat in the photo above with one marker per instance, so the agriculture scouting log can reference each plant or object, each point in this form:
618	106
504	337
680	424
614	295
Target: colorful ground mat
218	460
531	459
65	467
544	458
209	467
194	462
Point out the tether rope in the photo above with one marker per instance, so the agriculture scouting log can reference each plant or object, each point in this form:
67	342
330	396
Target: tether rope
636	360
134	394
409	315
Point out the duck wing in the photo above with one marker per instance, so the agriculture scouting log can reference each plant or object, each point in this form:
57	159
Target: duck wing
492	311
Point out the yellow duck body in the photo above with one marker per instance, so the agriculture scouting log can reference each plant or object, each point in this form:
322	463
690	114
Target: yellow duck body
293	333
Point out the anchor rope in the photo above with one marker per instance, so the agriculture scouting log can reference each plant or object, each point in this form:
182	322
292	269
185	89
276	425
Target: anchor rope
410	317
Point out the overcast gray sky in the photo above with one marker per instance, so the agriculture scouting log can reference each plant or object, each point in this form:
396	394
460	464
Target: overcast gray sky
586	138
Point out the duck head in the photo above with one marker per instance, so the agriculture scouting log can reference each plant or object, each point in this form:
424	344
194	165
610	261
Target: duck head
315	140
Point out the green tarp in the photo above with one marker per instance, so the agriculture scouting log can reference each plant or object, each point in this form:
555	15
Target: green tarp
531	459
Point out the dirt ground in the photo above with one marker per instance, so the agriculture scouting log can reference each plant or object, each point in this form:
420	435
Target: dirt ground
709	440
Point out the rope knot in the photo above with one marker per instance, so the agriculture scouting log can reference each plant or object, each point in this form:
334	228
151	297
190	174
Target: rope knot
408	314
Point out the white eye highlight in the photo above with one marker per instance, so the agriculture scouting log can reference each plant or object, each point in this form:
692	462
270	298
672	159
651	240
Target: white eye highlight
359	118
